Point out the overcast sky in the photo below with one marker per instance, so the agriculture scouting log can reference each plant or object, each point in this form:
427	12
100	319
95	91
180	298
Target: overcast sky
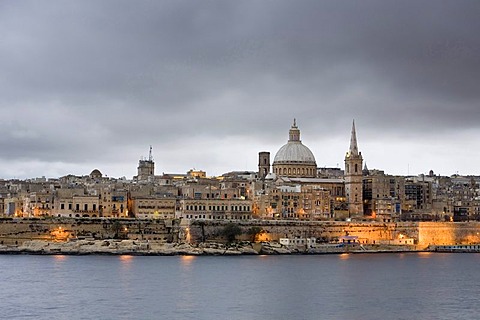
209	84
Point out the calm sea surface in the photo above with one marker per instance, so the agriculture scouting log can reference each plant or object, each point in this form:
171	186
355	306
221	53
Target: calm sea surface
363	286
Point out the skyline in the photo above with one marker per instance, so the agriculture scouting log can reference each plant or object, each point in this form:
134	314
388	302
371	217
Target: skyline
89	85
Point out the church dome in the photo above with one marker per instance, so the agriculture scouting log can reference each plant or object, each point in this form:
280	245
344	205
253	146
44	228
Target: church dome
294	159
95	174
294	151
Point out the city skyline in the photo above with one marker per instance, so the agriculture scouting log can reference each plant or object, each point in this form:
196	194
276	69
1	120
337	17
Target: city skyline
88	85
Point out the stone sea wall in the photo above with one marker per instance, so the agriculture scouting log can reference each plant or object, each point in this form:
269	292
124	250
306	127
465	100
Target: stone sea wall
18	231
423	233
327	231
448	233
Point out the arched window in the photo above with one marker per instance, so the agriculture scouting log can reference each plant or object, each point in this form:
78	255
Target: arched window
356	168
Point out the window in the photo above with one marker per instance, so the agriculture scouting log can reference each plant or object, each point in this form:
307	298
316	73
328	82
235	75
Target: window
62	206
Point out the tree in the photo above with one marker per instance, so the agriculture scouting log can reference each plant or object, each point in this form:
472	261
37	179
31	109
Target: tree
118	230
231	231
254	232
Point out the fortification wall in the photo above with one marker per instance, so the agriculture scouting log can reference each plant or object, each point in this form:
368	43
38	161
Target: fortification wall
448	233
367	232
17	231
424	233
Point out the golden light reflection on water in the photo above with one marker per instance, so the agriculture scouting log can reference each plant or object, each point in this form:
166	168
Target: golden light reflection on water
126	261
344	256
187	260
60	257
126	258
424	254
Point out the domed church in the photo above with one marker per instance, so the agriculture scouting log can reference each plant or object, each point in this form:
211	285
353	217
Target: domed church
295	159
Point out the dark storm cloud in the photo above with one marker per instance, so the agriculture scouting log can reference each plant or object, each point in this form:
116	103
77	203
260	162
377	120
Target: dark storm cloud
87	81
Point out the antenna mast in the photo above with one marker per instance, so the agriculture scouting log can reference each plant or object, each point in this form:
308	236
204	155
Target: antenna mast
150	157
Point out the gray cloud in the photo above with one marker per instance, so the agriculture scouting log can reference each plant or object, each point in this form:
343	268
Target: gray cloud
94	83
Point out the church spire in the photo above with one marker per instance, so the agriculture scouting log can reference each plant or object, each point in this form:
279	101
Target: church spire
353	141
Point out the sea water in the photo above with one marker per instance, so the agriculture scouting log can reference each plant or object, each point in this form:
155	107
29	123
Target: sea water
347	286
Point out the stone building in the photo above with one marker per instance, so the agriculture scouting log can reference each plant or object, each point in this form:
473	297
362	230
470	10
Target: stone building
295	202
39	203
114	203
146	169
211	209
154	207
383	195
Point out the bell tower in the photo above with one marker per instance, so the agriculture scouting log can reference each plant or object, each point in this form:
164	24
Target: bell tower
353	177
263	164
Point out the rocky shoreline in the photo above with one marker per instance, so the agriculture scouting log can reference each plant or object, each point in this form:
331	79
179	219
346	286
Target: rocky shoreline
135	247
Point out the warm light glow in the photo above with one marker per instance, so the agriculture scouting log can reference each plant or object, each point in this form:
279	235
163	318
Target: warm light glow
425	254
126	258
59	257
344	256
186	260
59	234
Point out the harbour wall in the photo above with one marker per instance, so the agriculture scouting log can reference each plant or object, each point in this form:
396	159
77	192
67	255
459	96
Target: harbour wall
423	233
17	231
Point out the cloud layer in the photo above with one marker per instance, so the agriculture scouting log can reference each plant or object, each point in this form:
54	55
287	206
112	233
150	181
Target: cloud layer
209	84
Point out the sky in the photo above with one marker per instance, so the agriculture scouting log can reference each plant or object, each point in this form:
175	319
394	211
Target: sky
208	84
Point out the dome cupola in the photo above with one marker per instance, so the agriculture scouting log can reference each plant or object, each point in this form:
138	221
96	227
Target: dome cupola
294	159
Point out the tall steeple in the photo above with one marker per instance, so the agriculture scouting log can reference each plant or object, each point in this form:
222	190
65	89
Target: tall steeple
353	141
353	176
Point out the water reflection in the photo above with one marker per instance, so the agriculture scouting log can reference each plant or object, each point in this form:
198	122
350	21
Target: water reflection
186	261
344	256
59	258
126	261
425	254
